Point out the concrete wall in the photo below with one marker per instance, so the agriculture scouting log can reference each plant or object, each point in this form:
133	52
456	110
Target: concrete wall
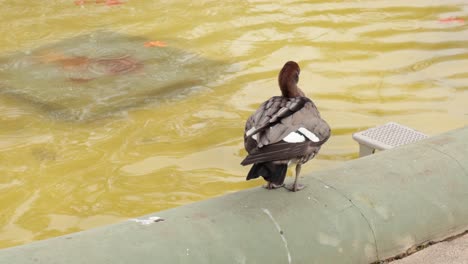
365	210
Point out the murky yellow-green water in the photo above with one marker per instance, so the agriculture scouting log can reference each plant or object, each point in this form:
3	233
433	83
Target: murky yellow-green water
364	63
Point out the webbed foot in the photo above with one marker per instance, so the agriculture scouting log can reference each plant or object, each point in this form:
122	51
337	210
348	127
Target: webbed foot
295	187
271	186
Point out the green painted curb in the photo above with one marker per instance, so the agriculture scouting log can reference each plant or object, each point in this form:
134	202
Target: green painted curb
365	210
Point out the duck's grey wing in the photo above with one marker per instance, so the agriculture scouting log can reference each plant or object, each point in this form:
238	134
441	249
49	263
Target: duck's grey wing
309	118
267	116
281	151
299	134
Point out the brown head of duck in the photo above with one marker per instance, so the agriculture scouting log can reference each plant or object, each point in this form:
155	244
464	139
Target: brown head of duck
288	79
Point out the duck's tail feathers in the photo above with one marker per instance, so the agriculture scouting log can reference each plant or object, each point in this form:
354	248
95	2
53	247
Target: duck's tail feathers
274	173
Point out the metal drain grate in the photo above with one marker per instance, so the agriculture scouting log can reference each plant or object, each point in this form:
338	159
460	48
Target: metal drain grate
386	136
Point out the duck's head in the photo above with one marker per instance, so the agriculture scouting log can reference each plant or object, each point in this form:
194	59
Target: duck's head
288	79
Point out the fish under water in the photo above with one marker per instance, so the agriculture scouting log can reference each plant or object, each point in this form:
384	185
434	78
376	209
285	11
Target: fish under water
103	73
106	2
156	43
91	66
452	20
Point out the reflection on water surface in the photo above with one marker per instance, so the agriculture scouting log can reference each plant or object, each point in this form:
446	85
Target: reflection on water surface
134	151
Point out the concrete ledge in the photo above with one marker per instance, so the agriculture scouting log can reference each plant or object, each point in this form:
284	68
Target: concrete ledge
363	211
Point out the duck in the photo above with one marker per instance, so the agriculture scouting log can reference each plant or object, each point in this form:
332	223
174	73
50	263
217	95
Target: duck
285	130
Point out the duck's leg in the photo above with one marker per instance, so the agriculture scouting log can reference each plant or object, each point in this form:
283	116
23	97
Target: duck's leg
296	186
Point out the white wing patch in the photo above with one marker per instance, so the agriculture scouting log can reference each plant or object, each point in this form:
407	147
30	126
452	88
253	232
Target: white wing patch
294	137
300	136
311	136
249	132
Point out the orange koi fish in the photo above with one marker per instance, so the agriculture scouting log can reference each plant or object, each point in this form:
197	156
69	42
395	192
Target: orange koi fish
106	2
156	43
452	20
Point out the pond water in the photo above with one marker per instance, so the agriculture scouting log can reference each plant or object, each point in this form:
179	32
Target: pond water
93	134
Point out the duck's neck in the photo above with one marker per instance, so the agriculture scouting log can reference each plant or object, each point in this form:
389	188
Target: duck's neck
288	79
290	89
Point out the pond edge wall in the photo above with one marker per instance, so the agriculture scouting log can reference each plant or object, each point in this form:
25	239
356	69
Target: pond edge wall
362	211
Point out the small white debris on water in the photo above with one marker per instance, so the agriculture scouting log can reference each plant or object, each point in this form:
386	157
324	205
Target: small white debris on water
150	220
326	186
